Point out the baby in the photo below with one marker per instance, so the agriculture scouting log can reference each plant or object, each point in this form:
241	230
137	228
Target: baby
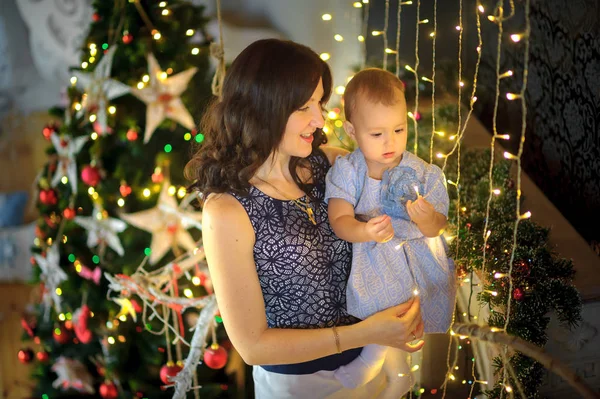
393	207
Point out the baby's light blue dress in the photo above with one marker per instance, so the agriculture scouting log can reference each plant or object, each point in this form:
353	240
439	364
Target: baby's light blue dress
386	274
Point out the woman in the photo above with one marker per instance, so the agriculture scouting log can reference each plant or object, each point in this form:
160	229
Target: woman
278	270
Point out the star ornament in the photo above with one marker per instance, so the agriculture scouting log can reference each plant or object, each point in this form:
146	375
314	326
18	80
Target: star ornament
162	97
99	89
102	230
67	149
52	276
127	308
168	223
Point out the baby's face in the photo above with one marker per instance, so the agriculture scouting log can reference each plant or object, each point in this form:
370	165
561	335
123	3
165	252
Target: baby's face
380	132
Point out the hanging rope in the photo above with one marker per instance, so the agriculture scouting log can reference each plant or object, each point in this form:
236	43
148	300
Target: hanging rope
217	51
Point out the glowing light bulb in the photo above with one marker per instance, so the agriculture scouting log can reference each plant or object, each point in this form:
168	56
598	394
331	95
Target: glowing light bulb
496	191
357	4
326	17
377	33
506	74
424	21
481	9
340	90
512	96
195	51
516	38
189	32
390	51
508	155
361	38
325	56
112	109
338	38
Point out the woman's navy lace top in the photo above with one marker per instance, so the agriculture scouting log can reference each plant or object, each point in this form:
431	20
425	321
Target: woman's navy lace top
302	268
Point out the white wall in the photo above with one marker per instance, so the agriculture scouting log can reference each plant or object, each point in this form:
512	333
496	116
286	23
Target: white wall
300	20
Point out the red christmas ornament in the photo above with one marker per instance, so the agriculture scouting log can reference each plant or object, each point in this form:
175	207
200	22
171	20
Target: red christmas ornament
215	357
90	175
125	190
96	17
417	116
69	213
42	356
169	370
61	335
48	130
127	38
25	356
108	390
48	197
518	294
81	325
132	135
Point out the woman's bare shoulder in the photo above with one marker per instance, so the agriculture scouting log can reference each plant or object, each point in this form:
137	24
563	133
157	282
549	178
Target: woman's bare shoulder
223	212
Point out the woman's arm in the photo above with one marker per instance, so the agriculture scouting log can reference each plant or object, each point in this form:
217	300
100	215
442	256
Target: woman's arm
228	240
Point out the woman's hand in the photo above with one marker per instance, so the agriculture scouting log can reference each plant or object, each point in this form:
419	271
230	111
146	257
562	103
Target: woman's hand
398	326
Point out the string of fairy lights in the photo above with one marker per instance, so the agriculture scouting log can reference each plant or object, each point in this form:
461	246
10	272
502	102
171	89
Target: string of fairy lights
497	17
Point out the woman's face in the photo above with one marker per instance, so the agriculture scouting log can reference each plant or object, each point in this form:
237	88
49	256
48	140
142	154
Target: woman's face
302	123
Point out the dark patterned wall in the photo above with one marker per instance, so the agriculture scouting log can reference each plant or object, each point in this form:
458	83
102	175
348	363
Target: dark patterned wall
562	148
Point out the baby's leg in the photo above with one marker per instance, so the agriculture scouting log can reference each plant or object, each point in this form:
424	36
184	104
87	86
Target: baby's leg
398	374
362	369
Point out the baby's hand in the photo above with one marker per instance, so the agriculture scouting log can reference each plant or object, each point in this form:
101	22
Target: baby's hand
421	211
380	228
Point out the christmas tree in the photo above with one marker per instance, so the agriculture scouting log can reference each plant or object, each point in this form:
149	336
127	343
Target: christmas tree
114	211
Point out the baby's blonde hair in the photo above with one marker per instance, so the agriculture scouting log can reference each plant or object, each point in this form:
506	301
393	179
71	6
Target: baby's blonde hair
376	85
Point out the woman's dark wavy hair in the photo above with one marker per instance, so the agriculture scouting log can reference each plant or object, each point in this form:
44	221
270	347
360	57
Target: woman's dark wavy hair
265	84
